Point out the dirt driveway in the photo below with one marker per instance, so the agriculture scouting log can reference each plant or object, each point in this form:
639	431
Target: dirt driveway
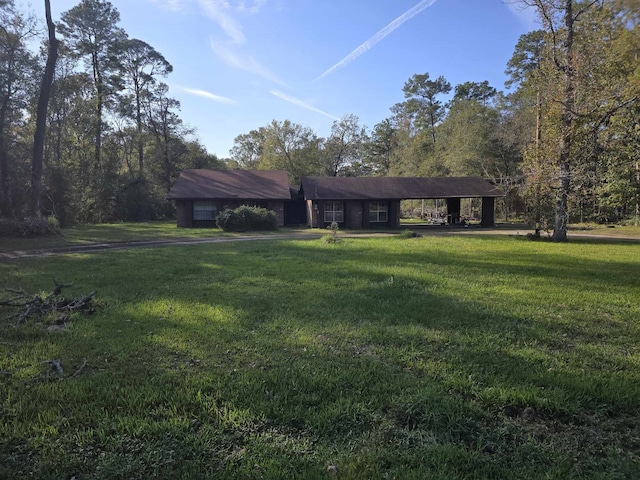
421	230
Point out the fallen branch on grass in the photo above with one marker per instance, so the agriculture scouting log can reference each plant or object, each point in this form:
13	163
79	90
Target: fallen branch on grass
38	305
77	372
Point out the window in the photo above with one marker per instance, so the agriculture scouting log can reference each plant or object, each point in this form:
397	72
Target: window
333	212
204	210
378	212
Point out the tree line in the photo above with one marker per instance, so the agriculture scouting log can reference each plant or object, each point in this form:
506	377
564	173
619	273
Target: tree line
561	139
112	140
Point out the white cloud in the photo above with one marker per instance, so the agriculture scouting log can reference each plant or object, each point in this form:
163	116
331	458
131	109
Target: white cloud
300	103
246	63
366	46
207	95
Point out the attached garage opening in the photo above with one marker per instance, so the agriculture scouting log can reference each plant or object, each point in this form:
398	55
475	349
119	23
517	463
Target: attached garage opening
466	211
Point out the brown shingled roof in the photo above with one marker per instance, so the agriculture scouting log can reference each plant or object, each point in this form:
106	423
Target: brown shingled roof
228	184
396	188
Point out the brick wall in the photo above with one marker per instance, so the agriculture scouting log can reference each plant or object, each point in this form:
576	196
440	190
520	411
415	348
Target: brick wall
184	213
278	207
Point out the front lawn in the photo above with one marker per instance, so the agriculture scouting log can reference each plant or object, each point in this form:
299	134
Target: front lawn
433	357
116	233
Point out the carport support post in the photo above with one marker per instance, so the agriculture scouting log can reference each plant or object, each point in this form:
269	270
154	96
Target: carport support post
488	215
453	210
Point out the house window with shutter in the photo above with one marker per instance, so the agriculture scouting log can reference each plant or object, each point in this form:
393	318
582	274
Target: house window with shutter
333	212
378	212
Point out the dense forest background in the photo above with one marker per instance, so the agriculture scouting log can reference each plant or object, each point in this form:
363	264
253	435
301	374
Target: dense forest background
562	139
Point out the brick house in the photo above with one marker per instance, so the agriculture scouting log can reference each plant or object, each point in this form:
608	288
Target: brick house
201	194
352	202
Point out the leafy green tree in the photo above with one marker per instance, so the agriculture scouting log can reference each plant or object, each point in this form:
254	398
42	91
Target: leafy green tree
248	148
467	138
586	84
198	157
167	130
344	145
480	92
479	138
617	126
281	145
380	147
91	31
511	139
559	19
423	104
100	156
416	121
139	66
524	106
16	67
69	147
291	147
524	64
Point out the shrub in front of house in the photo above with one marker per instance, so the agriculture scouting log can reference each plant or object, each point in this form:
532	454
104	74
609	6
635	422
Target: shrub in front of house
247	218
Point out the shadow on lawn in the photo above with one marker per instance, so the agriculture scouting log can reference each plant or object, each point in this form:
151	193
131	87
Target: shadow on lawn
298	353
336	382
376	309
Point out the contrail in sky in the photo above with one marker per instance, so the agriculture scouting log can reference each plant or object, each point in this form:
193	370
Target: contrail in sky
408	15
300	103
208	95
229	56
216	11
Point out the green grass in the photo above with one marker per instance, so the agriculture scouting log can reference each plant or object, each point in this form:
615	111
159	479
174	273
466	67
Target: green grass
167	230
116	233
606	230
433	357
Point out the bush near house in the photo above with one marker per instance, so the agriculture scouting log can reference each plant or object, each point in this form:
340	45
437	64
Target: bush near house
246	218
30	227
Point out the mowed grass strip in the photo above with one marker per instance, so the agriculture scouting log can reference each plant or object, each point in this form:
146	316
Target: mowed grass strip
111	233
433	357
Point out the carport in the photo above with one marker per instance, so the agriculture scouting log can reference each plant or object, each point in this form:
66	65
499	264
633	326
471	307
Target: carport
365	202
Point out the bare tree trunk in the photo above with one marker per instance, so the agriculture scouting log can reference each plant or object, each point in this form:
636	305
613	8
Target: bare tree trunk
4	178
638	197
538	213
5	208
560	226
97	77
41	115
139	140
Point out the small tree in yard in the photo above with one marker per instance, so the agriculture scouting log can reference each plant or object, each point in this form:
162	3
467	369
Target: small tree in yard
333	233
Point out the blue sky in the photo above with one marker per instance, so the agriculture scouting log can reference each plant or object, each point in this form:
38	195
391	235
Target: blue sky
238	64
